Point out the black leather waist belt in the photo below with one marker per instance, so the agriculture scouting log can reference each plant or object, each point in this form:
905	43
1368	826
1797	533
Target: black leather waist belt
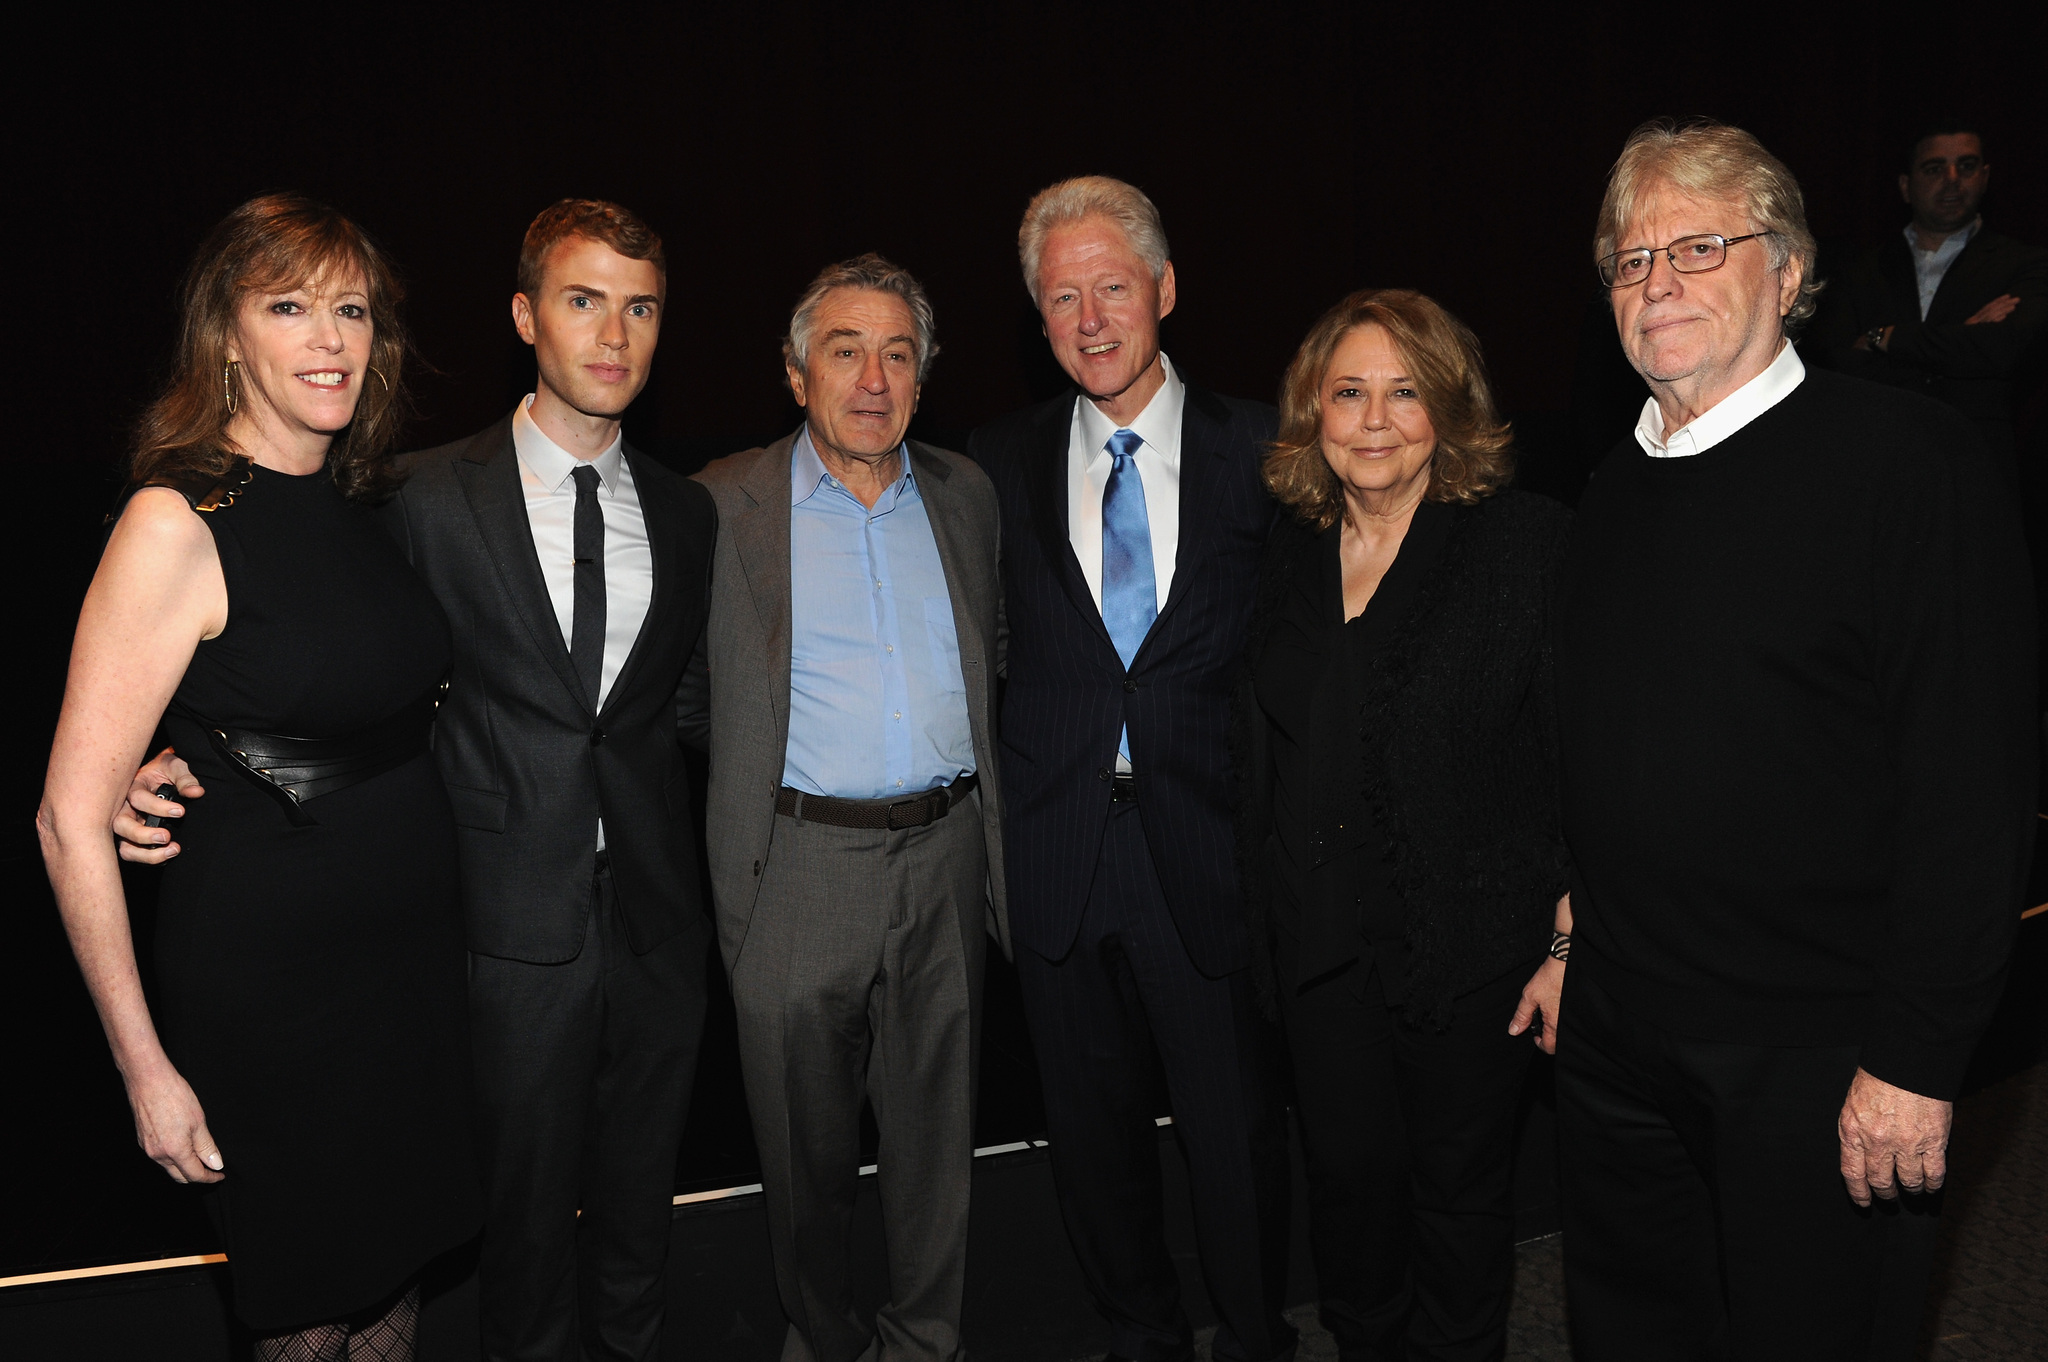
295	770
875	814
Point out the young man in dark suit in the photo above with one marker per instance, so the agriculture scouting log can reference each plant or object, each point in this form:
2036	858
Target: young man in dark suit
574	571
1132	518
1947	306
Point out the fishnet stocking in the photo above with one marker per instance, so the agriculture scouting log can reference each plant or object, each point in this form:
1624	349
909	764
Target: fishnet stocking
388	1337
384	1335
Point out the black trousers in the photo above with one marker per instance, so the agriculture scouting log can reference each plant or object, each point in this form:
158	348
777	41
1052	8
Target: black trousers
1123	1005
583	1073
1410	1140
1704	1211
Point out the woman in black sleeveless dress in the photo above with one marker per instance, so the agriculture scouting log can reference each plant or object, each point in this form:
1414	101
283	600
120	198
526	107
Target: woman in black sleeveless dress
307	1059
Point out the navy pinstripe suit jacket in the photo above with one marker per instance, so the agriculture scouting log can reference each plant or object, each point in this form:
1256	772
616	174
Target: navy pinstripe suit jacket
1068	694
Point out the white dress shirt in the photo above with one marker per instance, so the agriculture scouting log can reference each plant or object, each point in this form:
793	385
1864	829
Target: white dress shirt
1158	464
1725	417
1930	266
545	476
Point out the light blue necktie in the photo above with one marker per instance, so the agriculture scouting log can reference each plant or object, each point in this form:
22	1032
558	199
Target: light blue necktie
1130	597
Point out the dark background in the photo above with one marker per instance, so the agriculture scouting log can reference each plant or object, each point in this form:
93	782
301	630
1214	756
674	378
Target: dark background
1296	152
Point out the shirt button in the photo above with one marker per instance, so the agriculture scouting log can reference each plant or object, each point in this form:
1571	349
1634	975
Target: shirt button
878	584
888	647
899	713
899	784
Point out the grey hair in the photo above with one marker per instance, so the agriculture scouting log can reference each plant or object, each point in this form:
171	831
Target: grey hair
1071	201
869	271
1706	159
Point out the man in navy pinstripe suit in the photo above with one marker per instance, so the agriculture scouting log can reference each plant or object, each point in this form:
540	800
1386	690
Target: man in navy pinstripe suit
1132	518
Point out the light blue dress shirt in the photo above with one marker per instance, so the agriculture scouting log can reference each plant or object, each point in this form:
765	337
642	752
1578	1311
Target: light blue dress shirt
877	703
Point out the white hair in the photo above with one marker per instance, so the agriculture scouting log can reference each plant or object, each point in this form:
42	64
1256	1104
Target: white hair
1091	196
869	271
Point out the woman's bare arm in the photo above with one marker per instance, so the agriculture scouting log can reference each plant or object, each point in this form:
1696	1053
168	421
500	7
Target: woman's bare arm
158	592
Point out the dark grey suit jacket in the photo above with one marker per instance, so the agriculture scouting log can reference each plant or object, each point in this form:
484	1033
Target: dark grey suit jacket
530	761
748	644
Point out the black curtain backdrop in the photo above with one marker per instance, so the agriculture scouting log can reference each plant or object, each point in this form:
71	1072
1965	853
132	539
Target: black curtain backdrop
1297	151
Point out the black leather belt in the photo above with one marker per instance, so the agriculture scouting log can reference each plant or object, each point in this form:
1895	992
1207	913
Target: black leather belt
1123	789
874	814
295	770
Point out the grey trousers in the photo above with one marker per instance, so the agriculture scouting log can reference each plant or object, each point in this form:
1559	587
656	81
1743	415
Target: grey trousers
861	976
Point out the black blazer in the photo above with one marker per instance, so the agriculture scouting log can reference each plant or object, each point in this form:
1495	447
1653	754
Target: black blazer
1969	367
529	761
1456	748
1068	695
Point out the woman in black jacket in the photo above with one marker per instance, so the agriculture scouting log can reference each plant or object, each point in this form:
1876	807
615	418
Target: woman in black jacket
1398	818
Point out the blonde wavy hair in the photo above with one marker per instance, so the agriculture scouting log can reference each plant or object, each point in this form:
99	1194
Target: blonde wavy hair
1708	160
1473	457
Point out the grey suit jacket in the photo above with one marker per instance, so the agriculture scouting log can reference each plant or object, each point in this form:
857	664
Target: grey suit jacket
748	645
530	761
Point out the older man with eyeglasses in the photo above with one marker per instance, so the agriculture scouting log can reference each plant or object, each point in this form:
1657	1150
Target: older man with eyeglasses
1794	678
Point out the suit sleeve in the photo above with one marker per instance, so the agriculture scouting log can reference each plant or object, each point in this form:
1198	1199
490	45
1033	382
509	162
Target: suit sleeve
977	450
1954	660
1988	349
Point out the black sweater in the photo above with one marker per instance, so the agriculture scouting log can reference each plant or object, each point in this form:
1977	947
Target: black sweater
1457	749
1795	688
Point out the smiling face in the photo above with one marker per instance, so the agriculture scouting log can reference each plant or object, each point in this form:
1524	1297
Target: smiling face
1708	332
1101	307
1377	436
303	354
593	326
858	385
1947	182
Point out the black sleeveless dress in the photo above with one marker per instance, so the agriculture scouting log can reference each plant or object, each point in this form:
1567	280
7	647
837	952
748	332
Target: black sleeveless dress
312	979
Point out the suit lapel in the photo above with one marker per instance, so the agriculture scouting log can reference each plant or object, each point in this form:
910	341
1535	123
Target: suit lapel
661	515
1895	266
760	536
489	473
1958	287
942	510
1203	462
1046	476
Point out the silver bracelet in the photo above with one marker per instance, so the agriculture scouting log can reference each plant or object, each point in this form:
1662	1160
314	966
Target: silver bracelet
1560	947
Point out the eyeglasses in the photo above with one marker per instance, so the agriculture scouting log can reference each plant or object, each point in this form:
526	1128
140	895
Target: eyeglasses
1688	255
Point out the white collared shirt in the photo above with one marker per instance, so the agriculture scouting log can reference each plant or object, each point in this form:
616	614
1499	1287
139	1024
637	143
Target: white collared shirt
1930	266
1725	417
1158	465
545	470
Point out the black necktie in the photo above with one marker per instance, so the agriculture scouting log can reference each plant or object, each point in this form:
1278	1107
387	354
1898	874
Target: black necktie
586	631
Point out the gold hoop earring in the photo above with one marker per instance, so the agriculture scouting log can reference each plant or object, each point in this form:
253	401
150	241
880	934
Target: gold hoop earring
227	386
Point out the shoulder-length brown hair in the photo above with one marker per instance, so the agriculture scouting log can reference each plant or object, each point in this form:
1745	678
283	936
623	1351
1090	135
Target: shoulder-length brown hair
1472	459
274	244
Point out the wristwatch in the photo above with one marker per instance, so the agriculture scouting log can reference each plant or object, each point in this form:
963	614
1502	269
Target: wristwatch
1875	337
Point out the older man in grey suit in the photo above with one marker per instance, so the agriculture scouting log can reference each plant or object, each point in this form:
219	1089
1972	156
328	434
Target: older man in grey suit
853	820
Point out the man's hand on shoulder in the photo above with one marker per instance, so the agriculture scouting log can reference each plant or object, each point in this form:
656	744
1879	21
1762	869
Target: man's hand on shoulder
1892	1139
138	841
